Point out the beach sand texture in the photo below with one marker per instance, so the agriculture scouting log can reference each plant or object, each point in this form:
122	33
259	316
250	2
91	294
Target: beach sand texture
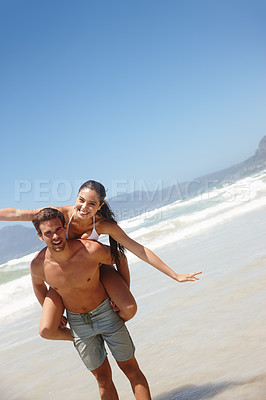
194	341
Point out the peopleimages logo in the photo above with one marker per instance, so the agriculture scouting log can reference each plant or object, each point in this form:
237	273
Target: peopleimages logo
130	191
45	190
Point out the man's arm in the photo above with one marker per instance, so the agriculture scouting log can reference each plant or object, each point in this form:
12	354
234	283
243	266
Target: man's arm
104	254
39	286
97	251
122	268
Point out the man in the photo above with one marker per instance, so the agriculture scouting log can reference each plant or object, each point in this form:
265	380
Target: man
71	268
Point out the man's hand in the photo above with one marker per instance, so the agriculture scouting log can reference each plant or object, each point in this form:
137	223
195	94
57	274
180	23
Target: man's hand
63	322
114	307
187	277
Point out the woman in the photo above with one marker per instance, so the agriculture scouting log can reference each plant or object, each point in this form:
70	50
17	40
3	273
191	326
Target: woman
90	217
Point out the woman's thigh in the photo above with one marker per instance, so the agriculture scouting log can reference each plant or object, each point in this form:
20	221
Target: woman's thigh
118	291
52	311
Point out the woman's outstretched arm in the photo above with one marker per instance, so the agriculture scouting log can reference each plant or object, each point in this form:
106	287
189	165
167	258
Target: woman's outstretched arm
20	214
147	255
17	214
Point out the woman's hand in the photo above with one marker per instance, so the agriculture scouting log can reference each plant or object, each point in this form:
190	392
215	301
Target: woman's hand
187	277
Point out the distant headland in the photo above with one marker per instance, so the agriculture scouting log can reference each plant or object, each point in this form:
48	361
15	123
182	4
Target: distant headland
17	240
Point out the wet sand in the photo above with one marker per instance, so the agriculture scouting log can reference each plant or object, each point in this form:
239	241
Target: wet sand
195	341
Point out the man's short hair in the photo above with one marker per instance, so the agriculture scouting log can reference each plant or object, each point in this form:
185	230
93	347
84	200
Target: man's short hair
46	214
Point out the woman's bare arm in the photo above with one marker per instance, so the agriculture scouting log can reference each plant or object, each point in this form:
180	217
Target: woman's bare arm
17	214
146	254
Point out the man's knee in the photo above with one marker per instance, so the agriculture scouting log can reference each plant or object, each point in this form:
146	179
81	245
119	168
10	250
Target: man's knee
130	368
103	374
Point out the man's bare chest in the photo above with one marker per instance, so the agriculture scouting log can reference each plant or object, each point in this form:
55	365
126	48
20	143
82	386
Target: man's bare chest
74	275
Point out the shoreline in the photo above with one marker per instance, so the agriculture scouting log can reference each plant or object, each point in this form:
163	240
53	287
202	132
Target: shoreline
194	341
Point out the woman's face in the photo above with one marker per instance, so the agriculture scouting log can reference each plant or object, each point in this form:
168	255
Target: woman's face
87	203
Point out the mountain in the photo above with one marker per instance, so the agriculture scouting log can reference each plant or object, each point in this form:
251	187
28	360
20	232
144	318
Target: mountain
17	241
130	205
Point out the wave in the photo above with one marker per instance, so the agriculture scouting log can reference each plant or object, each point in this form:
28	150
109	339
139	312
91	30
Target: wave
16	295
171	224
182	220
18	263
243	190
166	234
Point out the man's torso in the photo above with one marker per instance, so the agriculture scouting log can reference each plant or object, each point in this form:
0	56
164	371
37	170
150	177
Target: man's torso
76	279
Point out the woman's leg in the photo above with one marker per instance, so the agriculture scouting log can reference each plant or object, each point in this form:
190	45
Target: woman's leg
123	269
118	292
52	312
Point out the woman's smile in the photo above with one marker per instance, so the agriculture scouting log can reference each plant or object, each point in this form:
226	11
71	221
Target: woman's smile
82	212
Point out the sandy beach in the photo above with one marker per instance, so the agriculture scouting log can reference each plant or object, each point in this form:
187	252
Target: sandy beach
194	341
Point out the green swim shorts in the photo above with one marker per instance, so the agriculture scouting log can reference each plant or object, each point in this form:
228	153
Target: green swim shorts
92	329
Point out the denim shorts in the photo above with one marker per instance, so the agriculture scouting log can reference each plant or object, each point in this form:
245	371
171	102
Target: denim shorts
90	331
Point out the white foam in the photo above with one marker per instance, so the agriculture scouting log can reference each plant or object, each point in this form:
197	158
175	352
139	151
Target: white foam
178	221
230	201
199	227
16	295
16	261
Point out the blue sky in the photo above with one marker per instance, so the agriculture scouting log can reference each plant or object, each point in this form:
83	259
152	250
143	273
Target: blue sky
126	91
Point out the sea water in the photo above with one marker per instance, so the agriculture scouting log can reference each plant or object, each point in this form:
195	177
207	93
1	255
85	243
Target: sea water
195	340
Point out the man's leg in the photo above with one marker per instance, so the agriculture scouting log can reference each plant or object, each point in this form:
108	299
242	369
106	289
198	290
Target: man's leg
137	380
103	375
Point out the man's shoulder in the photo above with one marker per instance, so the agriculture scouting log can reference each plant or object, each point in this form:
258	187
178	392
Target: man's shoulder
90	251
89	247
38	259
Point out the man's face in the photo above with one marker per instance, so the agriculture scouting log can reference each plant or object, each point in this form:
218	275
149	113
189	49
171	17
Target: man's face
54	234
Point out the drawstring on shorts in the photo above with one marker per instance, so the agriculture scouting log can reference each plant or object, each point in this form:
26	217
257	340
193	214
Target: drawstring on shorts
86	318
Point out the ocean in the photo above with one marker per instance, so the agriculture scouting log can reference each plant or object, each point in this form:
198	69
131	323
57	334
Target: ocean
195	340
